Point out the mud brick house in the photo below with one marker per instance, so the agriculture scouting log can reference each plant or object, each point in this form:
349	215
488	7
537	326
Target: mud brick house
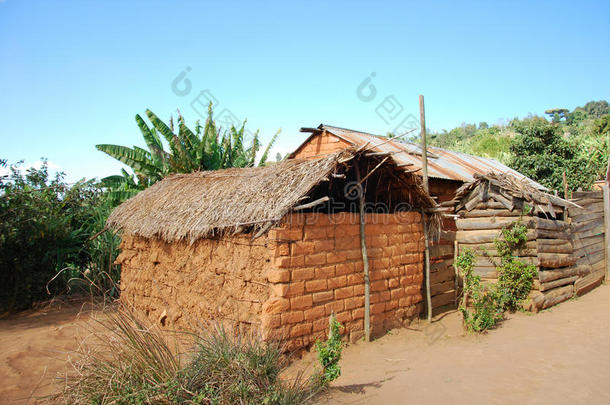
447	171
277	247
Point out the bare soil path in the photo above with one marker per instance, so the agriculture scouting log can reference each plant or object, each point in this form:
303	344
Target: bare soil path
559	356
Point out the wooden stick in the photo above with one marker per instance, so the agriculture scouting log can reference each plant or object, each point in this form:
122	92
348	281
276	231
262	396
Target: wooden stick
427	259
565	185
424	155
99	233
365	262
367	176
311	204
606	193
389	140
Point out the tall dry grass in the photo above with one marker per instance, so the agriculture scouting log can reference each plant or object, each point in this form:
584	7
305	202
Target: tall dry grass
126	361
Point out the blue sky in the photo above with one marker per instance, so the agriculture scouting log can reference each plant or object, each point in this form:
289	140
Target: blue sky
74	73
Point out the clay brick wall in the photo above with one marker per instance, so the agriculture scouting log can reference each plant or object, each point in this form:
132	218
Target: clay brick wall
322	144
180	285
317	269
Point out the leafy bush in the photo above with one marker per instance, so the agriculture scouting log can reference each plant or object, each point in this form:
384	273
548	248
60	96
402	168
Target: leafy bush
329	353
484	301
515	278
45	226
128	362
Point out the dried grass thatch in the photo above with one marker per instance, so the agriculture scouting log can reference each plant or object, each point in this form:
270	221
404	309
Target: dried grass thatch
508	190
205	204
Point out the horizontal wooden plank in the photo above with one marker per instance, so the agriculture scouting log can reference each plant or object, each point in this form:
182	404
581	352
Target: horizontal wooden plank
441	265
490	213
441	288
445	298
576	195
579	242
441	251
442	275
587	283
597	207
598	230
579	227
546	234
551	224
564	246
591	259
549	275
589	216
557	295
464	224
557	283
554	260
485	236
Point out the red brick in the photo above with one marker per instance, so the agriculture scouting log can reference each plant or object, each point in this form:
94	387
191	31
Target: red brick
302	248
316	259
325	272
303	274
354	302
347	229
324	245
315	232
337	282
302	302
271	321
354	254
359	289
315	285
378	241
345	292
353	279
290	234
279	290
295	288
320	325
322	296
278	276
292	317
397	293
276	305
378	285
391	305
297	261
347	243
335	257
358	313
344	317
345	268
393	282
335	306
301	329
315	313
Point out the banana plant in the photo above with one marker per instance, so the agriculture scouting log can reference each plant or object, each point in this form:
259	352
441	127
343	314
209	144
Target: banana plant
207	148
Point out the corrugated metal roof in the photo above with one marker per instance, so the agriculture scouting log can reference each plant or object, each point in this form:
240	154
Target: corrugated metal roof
442	163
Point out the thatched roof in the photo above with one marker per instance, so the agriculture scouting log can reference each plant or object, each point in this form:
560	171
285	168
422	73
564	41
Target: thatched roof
509	191
204	204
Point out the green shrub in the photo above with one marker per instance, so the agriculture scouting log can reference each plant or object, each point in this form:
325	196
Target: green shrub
481	305
515	278
45	226
329	353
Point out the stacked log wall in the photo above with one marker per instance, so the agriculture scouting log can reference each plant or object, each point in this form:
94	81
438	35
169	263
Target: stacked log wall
587	234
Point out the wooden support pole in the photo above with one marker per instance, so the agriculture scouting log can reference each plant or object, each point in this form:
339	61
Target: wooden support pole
565	185
365	262
424	148
606	194
427	264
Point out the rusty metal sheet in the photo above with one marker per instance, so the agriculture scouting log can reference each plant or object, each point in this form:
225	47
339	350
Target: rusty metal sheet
442	163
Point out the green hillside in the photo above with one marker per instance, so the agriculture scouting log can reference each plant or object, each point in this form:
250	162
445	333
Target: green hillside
576	142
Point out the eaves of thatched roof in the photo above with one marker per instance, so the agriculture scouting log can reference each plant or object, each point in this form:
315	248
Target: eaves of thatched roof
203	204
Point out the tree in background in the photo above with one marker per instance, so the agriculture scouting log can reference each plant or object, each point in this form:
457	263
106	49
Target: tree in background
540	152
207	148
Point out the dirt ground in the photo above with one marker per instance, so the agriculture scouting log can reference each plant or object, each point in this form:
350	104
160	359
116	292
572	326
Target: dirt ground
559	356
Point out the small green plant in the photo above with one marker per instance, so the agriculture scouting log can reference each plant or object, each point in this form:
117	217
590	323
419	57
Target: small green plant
483	301
515	278
329	353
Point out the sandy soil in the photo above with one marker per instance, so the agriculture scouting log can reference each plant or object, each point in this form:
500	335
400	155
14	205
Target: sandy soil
559	356
35	346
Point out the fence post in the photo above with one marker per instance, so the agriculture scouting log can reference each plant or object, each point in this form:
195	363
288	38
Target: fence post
606	194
